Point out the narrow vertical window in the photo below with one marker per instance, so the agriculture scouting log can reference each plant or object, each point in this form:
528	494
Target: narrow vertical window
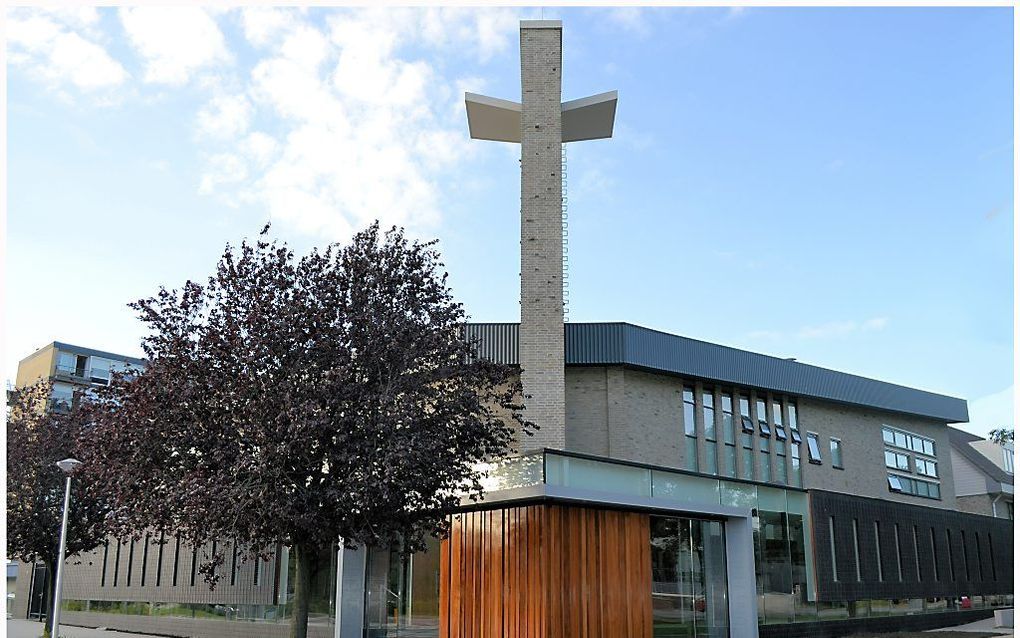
106	553
934	555
159	559
194	563
966	560
729	437
814	453
116	564
857	552
233	565
899	553
991	555
145	558
708	422
952	565
878	552
258	568
177	556
917	556
213	557
131	560
763	421
832	547
836	451
690	429
981	563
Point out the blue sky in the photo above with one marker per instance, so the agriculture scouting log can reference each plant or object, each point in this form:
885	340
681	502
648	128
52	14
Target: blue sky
828	184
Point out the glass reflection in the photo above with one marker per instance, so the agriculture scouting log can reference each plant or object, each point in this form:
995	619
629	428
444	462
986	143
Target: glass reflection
689	594
401	595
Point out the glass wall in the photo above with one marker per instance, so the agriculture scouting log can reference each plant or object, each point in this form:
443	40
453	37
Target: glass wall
689	592
401	595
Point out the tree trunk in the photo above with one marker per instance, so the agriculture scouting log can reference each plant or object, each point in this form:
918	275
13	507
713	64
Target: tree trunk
304	563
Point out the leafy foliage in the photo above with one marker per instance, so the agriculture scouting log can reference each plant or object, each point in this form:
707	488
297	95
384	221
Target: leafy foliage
304	400
1002	436
36	439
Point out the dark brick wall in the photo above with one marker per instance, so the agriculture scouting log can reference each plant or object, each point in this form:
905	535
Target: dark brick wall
995	539
835	628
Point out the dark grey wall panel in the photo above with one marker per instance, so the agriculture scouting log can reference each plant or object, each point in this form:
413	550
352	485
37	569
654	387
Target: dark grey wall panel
630	345
989	547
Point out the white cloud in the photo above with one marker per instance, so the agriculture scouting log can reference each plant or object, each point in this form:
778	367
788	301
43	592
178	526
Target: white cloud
46	44
174	41
991	411
355	120
225	116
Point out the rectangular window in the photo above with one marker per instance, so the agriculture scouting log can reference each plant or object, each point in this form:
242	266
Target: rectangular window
895	485
745	414
897	461
952	564
878	552
177	557
145	558
690	430
795	465
814	453
194	564
730	460
857	552
131	561
233	564
981	563
908	441
116	564
711	457
765	469
763	423
934	555
106	553
780	473
917	557
899	553
966	560
258	568
159	559
747	459
832	547
777	420
708	413
1007	459
729	431
991	555
926	468
836	452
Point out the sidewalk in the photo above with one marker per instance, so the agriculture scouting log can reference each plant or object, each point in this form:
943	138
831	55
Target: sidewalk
987	626
33	629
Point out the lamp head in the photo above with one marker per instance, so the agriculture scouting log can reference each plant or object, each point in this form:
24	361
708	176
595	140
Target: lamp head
68	465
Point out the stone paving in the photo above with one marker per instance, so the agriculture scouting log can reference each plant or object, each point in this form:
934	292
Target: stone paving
33	629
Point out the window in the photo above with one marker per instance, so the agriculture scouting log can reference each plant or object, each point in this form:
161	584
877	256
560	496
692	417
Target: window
62	396
99	371
857	552
777	420
934	555
926	468
915	487
780	473
897	461
708	413
690	429
917	558
899	552
1007	459
763	423
966	560
836	452
977	550
795	465
832	547
745	414
878	552
791	409
814	453
729	433
952	565
908	441
765	469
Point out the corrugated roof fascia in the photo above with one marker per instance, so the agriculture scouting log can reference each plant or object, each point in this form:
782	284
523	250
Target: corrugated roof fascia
621	343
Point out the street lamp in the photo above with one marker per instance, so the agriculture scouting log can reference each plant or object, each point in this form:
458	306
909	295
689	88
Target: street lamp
67	465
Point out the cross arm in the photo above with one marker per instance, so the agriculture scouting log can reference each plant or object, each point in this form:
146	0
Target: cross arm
589	118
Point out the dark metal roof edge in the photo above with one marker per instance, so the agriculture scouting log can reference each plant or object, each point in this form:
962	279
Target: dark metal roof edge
60	345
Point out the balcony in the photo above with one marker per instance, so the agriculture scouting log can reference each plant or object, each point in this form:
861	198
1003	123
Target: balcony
80	374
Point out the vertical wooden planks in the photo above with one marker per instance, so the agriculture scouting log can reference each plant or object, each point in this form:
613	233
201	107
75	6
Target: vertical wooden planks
546	571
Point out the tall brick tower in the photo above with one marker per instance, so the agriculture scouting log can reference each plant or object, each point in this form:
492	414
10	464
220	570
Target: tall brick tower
541	123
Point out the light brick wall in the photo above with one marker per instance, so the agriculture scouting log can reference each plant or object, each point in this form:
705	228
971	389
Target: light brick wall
541	336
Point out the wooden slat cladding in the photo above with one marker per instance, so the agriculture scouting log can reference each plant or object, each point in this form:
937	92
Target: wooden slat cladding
546	571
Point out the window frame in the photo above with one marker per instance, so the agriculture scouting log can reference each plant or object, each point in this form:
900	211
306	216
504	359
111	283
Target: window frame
815	453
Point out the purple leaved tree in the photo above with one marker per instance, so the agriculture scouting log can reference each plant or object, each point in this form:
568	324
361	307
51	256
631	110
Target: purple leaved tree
303	401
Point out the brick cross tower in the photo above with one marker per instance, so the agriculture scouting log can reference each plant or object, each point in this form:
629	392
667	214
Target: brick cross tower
540	123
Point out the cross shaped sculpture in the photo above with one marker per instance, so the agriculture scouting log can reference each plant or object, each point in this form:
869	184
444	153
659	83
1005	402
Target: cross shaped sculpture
541	123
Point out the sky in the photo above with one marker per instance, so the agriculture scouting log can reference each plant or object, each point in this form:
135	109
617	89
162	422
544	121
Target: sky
830	184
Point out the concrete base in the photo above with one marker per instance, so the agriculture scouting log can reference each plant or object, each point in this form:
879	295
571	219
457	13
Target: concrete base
1004	618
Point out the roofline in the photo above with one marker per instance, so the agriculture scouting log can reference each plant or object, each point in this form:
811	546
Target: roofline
630	345
92	352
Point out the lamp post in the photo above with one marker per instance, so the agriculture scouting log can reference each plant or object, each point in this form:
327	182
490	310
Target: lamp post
67	465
